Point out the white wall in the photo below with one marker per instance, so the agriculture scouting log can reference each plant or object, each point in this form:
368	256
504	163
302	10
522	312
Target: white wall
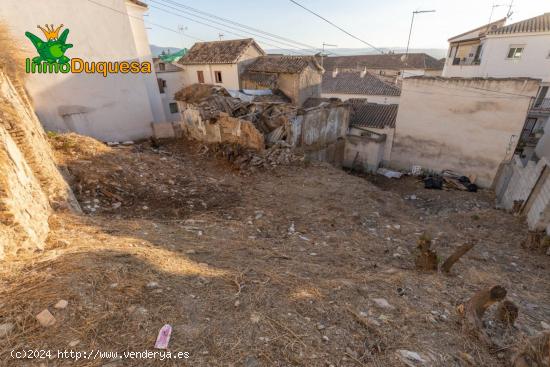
458	124
175	81
230	74
534	62
119	107
370	97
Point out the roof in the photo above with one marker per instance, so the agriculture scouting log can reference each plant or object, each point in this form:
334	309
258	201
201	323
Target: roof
283	64
385	61
373	115
140	3
531	25
478	32
351	82
218	52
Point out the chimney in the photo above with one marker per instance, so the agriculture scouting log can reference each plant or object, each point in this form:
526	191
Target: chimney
364	72
335	72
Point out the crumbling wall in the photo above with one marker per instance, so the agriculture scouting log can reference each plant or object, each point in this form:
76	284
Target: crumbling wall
31	186
465	125
364	153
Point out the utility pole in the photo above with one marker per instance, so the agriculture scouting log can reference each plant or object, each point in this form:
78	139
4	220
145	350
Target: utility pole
412	22
220	35
182	30
410	33
323	52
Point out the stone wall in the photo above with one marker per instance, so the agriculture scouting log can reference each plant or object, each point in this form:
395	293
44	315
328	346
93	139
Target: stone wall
31	186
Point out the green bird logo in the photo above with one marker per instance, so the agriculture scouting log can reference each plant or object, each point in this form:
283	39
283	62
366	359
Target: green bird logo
53	49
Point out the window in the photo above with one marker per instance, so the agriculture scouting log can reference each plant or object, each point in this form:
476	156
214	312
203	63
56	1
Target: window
218	76
200	76
174	108
515	52
162	66
162	85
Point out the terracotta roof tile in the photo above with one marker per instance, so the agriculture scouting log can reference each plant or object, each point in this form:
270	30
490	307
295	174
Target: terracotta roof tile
283	64
351	82
218	52
531	25
386	61
372	115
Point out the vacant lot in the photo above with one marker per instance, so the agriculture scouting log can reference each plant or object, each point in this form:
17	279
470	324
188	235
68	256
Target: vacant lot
274	267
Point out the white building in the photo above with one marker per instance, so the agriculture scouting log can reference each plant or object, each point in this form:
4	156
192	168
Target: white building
116	107
170	79
497	50
219	62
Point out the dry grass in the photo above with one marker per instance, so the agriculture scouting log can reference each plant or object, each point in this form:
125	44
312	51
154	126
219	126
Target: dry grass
238	284
12	60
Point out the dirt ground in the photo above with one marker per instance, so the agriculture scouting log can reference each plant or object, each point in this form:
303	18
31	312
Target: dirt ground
267	268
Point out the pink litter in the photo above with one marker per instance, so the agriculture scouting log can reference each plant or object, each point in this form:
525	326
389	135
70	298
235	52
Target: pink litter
164	337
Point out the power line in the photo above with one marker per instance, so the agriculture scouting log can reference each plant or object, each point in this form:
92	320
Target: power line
139	18
336	26
305	45
225	25
217	28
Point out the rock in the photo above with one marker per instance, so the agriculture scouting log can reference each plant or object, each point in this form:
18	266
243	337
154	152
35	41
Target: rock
544	325
74	343
45	318
251	361
112	143
190	252
117	205
467	358
61	304
128	142
320	326
407	356
291	229
325	338
5	329
383	303
152	285
237	303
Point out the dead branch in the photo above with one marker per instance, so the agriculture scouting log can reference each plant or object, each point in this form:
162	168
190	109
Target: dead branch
534	353
475	308
426	259
459	252
507	312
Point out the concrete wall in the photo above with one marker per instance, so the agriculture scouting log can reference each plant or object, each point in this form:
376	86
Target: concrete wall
466	125
388	143
526	189
309	85
370	97
119	107
30	183
534	62
364	153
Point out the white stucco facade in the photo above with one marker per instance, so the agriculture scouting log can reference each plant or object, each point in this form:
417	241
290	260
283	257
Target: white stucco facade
534	61
467	125
117	107
170	81
230	72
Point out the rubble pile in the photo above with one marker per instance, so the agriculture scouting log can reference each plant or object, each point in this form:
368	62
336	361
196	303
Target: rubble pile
269	115
279	154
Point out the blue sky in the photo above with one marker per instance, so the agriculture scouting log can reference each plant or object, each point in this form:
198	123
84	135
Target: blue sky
382	23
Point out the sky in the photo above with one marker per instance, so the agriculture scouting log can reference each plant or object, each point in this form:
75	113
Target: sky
382	23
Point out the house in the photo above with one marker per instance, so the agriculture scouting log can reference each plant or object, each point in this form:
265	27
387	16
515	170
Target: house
468	125
119	106
298	77
359	84
520	49
170	80
371	132
392	65
219	62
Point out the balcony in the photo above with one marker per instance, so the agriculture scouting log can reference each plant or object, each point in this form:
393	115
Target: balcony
466	61
541	106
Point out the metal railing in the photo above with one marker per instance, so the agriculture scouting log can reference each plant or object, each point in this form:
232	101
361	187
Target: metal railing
466	61
541	104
